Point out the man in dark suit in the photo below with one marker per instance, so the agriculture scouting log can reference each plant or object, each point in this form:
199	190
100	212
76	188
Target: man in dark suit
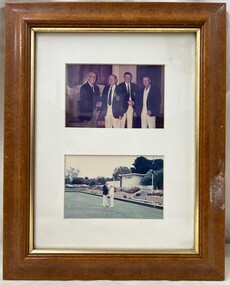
105	194
129	91
147	104
90	101
112	104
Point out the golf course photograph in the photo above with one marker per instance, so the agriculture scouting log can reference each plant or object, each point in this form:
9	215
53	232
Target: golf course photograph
113	187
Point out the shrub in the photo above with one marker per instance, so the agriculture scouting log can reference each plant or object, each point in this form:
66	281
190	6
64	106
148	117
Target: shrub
131	190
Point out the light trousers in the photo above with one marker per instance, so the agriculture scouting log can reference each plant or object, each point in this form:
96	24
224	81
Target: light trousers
110	121
105	200
147	121
112	201
128	116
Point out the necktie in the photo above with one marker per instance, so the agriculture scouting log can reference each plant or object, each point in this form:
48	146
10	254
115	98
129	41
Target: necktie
129	91
110	97
92	88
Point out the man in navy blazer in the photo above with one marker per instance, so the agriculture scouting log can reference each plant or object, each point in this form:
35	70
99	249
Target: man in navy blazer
90	101
105	194
129	91
147	104
112	109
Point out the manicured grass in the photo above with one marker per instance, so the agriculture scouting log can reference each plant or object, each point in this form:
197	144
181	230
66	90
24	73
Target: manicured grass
81	205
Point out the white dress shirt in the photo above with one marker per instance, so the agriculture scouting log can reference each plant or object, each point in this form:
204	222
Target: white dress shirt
145	98
113	90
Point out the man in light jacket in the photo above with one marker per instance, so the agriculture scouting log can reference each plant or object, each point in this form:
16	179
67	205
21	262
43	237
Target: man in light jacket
111	195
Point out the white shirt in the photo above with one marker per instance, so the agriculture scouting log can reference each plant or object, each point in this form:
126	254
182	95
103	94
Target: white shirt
111	191
113	89
92	86
145	98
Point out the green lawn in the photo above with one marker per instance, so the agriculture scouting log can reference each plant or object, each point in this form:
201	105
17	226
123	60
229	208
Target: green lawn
81	205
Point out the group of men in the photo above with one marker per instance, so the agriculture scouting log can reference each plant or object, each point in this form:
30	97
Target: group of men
120	103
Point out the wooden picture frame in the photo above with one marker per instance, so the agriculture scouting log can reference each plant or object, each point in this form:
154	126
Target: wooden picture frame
206	262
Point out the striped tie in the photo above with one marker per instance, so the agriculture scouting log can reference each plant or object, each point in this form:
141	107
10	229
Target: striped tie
110	97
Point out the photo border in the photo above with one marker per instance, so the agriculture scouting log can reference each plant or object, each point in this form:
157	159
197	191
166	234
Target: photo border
78	124
20	260
87	156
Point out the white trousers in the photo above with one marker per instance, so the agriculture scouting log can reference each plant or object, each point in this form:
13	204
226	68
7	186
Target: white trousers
110	121
105	200
112	201
128	116
147	121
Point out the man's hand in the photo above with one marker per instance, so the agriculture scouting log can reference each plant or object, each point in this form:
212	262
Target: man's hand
98	104
130	102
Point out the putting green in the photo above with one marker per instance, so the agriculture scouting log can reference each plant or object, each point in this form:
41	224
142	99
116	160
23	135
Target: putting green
81	205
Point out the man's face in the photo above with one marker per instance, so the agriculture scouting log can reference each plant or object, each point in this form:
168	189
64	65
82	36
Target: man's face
128	78
146	82
112	80
92	78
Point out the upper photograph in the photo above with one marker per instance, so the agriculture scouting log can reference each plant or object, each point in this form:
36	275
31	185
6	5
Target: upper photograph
114	96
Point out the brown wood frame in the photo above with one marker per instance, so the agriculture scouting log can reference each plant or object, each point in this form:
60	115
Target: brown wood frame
208	263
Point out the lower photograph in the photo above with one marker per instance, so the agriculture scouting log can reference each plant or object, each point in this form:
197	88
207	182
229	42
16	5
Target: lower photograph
114	187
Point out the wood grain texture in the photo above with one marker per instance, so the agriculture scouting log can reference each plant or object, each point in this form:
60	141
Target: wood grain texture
209	263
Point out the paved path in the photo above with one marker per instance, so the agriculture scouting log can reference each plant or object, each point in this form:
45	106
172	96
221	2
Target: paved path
81	205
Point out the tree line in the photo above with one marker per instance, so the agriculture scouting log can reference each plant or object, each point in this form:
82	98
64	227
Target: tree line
151	168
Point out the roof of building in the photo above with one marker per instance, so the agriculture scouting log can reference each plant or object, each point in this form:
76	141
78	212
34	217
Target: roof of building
132	174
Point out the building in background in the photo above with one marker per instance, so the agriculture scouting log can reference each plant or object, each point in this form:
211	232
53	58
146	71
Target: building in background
131	180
